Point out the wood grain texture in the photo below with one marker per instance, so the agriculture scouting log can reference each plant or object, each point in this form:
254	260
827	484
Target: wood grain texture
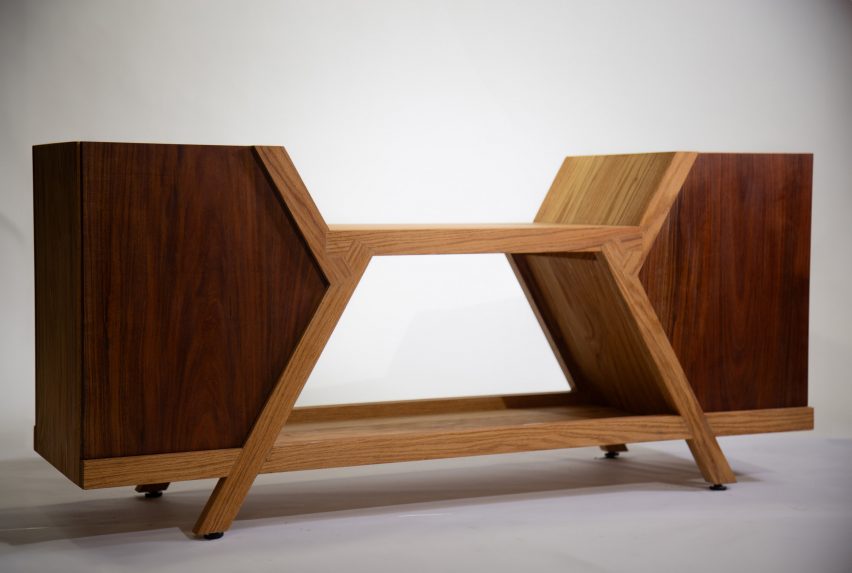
344	272
401	408
459	438
58	311
540	305
477	239
667	371
606	189
287	182
230	491
155	468
585	316
362	441
211	284
728	277
197	288
290	187
659	206
426	423
376	438
765	421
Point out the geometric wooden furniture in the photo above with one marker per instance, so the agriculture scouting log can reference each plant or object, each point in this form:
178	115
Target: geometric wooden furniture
184	294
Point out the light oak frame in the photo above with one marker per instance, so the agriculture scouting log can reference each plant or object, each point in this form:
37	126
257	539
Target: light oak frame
578	264
611	207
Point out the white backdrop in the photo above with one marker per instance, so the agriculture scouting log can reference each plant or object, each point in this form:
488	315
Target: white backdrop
442	111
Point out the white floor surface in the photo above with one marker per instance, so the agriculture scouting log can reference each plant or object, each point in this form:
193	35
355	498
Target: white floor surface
561	510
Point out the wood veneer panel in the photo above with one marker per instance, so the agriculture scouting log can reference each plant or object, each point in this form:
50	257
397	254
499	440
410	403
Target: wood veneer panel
728	277
197	288
768	420
605	189
456	437
216	463
344	271
400	408
487	238
588	324
766	231
669	374
58	322
681	276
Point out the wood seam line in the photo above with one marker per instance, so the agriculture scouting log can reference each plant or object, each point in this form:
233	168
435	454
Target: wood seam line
660	206
230	491
284	178
343	274
670	375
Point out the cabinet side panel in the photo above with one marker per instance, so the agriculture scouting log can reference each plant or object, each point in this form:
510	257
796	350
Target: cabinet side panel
58	367
198	286
728	276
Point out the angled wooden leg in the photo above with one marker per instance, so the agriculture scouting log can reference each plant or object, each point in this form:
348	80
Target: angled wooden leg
343	270
671	378
230	491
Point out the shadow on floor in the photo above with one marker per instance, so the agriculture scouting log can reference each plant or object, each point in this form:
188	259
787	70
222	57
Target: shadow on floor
39	505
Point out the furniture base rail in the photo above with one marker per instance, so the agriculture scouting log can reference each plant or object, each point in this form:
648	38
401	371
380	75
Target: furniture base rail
386	432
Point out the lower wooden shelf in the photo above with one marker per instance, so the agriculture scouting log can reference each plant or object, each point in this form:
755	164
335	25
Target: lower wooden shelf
359	434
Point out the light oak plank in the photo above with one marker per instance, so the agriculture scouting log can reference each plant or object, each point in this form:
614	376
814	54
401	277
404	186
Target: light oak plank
292	452
587	321
303	452
604	189
614	448
765	421
400	408
343	272
477	239
636	189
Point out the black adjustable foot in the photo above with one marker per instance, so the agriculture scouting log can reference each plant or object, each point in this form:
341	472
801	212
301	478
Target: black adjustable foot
611	455
152	490
214	535
718	487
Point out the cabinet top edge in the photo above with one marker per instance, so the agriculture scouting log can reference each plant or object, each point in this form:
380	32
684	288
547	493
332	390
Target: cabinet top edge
222	145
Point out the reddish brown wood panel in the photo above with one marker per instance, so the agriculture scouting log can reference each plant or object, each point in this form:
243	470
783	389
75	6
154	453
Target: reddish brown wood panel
728	277
58	367
198	287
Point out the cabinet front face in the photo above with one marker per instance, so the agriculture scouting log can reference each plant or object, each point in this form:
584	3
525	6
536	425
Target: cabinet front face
196	288
728	277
